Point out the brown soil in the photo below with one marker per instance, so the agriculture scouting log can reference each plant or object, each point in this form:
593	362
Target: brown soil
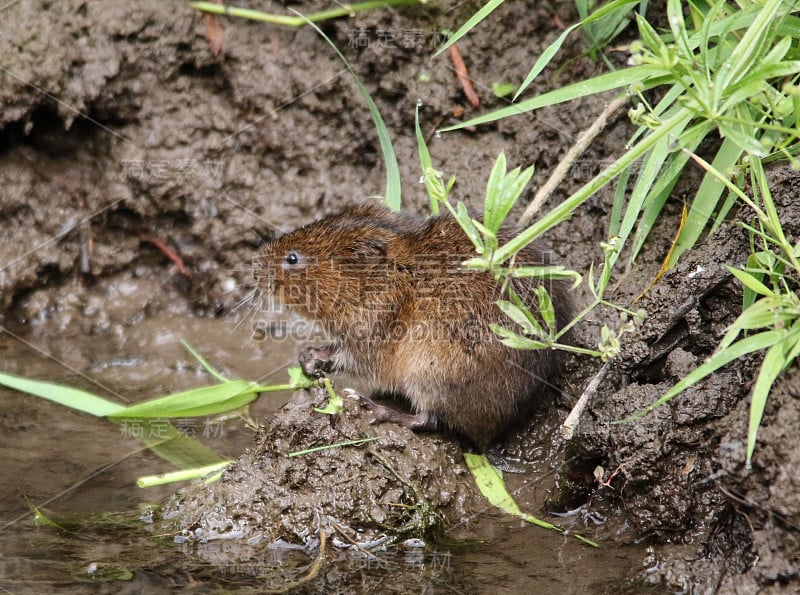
119	126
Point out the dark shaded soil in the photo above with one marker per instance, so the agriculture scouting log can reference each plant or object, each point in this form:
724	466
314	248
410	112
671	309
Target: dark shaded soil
120	127
679	472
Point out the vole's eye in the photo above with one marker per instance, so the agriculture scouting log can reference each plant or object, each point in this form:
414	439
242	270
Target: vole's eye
292	258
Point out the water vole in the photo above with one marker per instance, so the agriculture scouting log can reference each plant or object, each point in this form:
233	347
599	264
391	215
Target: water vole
405	315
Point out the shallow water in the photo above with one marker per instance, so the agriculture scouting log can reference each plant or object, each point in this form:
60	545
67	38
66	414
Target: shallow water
75	467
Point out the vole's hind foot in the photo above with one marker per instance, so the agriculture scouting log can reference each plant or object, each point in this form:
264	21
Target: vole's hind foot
317	361
419	422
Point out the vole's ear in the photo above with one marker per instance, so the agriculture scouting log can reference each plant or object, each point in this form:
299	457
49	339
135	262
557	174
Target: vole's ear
372	248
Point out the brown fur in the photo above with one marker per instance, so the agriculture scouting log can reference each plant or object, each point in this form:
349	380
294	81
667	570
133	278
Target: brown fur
406	315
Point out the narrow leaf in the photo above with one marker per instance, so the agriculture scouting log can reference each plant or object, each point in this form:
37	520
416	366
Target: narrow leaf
604	82
716	361
490	483
773	363
63	395
207	400
750	282
393	190
487	9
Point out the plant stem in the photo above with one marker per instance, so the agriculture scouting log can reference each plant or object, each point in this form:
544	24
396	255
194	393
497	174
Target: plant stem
278	19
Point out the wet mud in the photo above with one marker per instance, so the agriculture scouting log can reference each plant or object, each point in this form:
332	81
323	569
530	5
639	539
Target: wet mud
124	141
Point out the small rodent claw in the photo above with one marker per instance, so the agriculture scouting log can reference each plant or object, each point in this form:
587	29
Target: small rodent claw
351	394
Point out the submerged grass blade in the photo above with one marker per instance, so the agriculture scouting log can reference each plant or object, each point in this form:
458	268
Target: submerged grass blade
161	437
208	367
168	443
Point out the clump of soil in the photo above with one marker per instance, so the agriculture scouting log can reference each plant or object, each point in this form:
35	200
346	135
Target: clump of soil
397	484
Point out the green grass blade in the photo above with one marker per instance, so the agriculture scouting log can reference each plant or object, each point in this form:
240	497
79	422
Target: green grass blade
707	198
515	341
789	26
528	323
716	361
149	481
774	361
749	48
751	282
749	296
598	84
563	211
544	59
758	315
552	49
677	25
206	400
615	219
653	162
493	192
471	23
425	161
393	190
287	21
659	194
63	395
490	483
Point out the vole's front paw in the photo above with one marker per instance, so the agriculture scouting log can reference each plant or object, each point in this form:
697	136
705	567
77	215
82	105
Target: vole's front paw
316	361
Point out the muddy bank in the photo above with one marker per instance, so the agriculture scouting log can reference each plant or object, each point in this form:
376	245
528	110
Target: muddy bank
680	471
122	132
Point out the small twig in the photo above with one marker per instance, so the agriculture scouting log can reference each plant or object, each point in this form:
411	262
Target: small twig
463	76
353	542
313	571
561	170
215	33
169	253
569	425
